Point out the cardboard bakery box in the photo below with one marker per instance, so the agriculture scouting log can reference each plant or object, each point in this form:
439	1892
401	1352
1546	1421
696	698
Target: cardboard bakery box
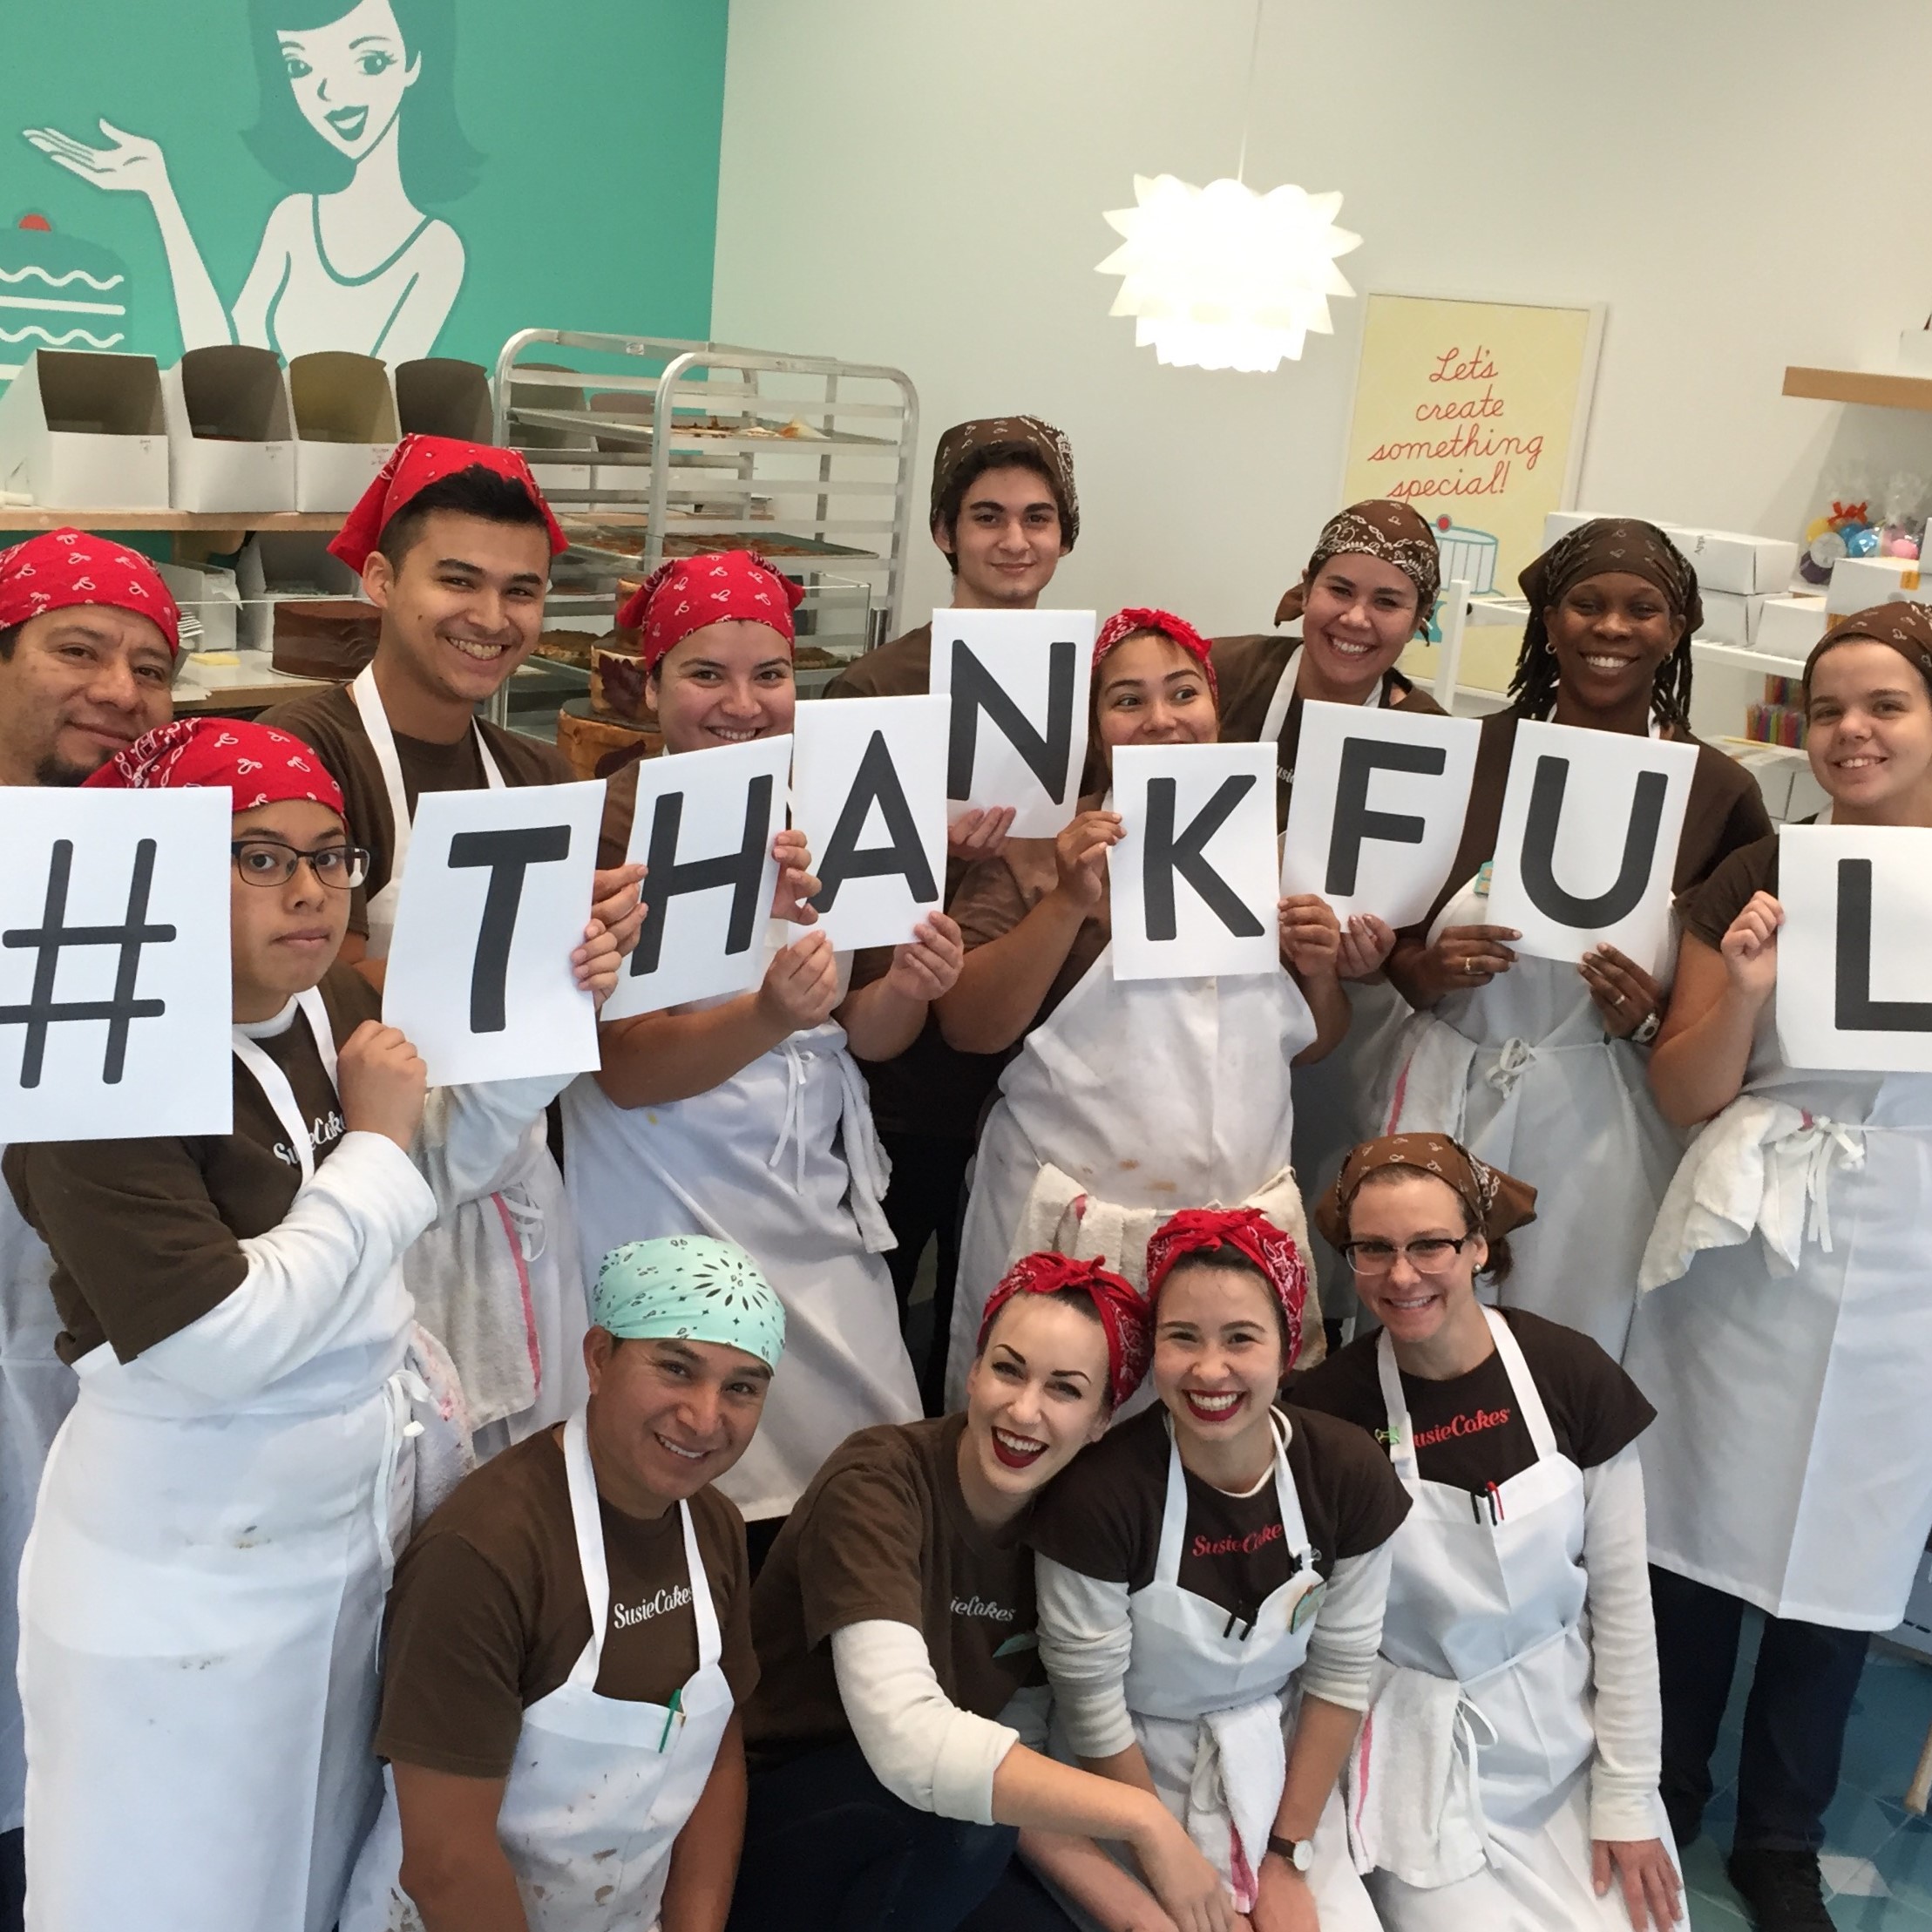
1788	626
1859	582
442	395
210	599
345	426
84	429
1744	566
281	566
231	439
1729	619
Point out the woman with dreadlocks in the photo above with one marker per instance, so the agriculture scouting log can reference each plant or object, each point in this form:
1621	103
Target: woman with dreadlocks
1537	1065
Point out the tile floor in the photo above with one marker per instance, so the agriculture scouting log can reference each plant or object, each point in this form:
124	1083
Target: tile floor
1878	1856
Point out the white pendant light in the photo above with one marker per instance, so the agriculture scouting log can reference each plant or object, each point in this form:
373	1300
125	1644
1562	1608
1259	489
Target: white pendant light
1221	277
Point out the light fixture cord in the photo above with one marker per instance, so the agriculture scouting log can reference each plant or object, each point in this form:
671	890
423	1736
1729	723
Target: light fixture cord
1247	108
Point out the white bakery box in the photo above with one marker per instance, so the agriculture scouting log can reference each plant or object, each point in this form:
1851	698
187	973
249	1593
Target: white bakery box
84	429
1858	583
231	438
210	602
345	426
1788	626
1728	561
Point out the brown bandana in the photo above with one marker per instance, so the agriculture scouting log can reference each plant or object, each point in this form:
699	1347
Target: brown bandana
1009	434
1598	548
1378	528
1906	628
1497	1202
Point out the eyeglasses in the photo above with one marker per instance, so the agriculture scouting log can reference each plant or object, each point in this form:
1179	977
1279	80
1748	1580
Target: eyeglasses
269	861
1428	1256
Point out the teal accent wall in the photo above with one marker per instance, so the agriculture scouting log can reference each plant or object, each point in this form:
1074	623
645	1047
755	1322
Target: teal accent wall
592	204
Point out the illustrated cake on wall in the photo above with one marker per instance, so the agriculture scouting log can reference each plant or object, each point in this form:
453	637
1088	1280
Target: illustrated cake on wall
1470	555
57	293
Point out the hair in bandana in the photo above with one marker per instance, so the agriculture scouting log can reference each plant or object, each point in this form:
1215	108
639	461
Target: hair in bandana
722	586
1121	1309
687	1287
1137	619
415	464
260	765
1391	532
1603	546
1493	1203
64	569
1202	1234
1906	628
967	450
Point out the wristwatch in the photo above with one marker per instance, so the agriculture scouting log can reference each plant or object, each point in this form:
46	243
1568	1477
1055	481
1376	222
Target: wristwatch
1298	1852
1643	1034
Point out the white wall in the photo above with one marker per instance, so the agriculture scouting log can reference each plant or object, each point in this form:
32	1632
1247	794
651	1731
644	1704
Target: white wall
920	182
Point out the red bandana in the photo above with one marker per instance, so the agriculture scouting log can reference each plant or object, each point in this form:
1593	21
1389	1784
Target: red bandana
1122	1312
414	464
260	765
720	588
69	567
1137	618
1197	1230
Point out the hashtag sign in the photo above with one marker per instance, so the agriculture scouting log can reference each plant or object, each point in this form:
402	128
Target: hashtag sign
53	936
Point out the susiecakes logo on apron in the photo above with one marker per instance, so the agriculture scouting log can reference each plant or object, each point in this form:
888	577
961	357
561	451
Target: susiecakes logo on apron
676	1596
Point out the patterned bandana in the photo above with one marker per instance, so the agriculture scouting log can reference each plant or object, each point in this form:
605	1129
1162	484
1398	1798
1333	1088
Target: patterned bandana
1497	1202
690	1288
1196	1230
1005	436
66	568
259	764
721	587
1378	528
1906	628
1136	619
414	464
1122	1312
1604	545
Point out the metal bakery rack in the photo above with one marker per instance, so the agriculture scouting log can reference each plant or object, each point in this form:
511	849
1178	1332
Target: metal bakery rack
650	447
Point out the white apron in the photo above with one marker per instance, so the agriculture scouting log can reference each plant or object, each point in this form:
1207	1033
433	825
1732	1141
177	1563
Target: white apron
37	1390
1135	1098
1789	1353
1193	1681
1519	1071
498	1281
200	1600
601	1788
1493	1596
783	1159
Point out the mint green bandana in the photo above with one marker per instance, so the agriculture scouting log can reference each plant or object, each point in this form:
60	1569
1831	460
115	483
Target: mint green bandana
687	1287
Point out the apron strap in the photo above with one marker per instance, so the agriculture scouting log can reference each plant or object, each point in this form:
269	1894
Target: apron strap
1174	1509
1523	1385
1283	701
703	1612
273	1082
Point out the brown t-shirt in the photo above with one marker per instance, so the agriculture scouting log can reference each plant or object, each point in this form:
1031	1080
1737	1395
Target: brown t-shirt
1248	669
1707	909
1103	1517
1725	811
488	1612
145	1234
1470	1430
884	1533
329	721
900	669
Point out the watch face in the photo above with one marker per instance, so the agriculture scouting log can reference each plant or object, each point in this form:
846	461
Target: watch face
1304	1854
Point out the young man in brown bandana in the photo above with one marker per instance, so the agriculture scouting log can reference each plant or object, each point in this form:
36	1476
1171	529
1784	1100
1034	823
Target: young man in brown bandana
1003	511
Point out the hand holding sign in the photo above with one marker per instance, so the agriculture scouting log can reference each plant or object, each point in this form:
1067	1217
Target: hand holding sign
800	986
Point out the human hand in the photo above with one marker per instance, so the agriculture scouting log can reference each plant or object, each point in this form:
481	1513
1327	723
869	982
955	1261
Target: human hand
131	163
1284	1902
1367	943
1080	857
1190	1888
616	905
1465	957
1750	949
976	835
382	1083
1651	1888
1624	994
598	961
1311	935
792	897
801	985
930	966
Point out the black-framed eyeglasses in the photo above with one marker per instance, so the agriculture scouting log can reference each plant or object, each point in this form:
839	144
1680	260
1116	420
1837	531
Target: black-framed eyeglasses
271	862
1429	1255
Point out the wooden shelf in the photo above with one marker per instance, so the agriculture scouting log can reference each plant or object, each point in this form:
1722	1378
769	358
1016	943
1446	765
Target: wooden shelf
1866	386
28	517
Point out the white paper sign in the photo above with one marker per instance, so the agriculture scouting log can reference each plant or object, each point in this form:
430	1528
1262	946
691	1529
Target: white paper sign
703	830
1854	991
494	901
1588	842
116	994
1377	811
869	793
1192	878
1019	681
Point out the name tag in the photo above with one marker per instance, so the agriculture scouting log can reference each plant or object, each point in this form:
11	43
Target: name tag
1306	1604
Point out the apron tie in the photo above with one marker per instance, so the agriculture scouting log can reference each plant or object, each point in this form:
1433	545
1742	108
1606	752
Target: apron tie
401	1392
1517	1057
525	1219
1824	1146
791	1122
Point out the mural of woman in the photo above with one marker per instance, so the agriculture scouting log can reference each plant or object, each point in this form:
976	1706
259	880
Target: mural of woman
358	116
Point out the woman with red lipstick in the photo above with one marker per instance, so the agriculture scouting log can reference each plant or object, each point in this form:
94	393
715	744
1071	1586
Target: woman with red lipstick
745	1117
897	1734
1211	1578
201	1591
1125	1098
1519	1575
1790	1466
1537	1065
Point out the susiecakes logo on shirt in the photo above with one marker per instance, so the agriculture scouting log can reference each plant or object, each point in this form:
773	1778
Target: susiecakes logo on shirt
324	1131
978	1606
623	1616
